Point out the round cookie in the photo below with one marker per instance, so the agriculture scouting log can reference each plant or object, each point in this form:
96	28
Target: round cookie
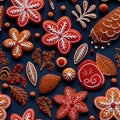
90	76
69	74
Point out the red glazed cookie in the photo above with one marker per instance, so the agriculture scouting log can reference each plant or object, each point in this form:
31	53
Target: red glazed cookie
109	104
25	10
18	42
90	76
4	104
107	29
71	104
28	115
60	34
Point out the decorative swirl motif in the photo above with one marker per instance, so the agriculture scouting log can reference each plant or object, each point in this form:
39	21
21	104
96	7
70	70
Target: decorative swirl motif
95	79
4	72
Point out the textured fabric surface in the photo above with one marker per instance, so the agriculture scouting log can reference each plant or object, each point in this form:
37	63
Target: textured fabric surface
109	52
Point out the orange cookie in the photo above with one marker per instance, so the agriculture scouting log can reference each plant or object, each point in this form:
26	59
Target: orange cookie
109	104
106	65
5	102
107	29
18	42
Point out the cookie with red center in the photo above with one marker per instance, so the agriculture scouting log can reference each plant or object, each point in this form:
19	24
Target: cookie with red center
61	62
109	104
60	34
25	10
90	76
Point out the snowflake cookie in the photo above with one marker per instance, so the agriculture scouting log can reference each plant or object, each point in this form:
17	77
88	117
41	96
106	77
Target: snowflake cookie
18	42
25	10
60	34
5	102
109	104
28	115
71	104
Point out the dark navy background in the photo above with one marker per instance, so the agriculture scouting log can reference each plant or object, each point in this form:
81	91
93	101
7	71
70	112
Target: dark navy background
109	52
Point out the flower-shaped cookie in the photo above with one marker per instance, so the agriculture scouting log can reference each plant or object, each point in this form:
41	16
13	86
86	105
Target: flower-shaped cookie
71	104
5	102
60	34
18	42
25	10
28	115
109	104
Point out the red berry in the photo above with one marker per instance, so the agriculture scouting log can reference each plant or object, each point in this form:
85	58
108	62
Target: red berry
14	71
113	105
11	82
8	80
61	62
92	51
23	79
18	65
103	7
17	81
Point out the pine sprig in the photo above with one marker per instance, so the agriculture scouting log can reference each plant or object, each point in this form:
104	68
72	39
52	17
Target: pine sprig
19	94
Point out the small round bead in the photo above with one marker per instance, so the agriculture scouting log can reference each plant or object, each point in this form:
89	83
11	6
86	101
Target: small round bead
91	51
5	85
7	25
17	81
113	80
69	74
74	1
11	82
37	35
61	62
23	79
50	14
103	7
32	94
8	80
63	8
91	117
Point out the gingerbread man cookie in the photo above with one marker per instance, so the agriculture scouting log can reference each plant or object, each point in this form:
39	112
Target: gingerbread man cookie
25	10
18	42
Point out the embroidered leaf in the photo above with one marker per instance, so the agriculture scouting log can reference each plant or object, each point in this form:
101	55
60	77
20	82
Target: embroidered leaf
106	65
19	95
80	53
85	5
83	17
45	105
31	73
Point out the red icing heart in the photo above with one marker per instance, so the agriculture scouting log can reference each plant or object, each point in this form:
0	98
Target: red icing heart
90	76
